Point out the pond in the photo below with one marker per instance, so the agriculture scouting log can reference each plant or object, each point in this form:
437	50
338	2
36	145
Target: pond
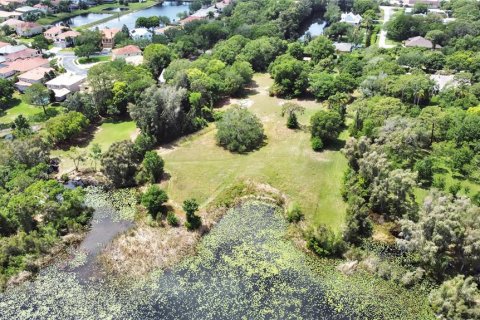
83	19
315	28
245	269
169	9
115	9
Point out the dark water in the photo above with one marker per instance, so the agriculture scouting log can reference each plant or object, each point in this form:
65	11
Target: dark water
83	19
314	28
168	8
244	269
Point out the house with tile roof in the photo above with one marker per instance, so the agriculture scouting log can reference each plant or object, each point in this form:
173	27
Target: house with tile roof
420	42
351	18
125	52
22	65
65	84
108	37
54	31
22	54
12	23
28	29
66	39
37	75
5	15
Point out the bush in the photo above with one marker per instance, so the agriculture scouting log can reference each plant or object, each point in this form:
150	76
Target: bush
317	144
120	163
239	130
151	169
145	142
190	206
172	219
324	242
326	125
295	214
65	127
153	200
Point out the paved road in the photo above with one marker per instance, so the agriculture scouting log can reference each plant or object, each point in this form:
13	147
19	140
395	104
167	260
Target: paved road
387	14
67	60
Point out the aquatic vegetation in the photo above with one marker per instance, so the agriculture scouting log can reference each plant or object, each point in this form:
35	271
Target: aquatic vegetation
123	201
245	268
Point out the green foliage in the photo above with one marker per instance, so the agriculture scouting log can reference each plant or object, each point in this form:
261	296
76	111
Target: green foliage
153	199
6	91
190	206
156	58
290	76
324	242
262	51
295	214
456	299
320	48
326	125
316	143
65	126
39	95
88	42
151	168
172	219
358	224
120	163
239	130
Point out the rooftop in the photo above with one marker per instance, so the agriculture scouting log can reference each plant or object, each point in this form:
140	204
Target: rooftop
110	33
8	49
68	34
7	14
11	23
35	74
22	54
28	25
56	29
419	42
25	65
26	9
343	46
66	79
131	49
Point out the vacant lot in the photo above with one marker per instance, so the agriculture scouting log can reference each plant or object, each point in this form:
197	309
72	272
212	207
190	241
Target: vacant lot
201	169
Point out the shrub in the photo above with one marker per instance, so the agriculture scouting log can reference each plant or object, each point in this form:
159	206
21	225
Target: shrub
153	199
152	168
317	144
295	214
172	219
190	206
120	163
326	125
324	242
239	130
65	127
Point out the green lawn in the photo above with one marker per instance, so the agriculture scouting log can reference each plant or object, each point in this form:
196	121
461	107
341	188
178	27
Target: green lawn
105	135
84	60
18	107
200	169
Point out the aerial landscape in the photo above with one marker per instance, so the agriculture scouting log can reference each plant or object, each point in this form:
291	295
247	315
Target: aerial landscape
240	159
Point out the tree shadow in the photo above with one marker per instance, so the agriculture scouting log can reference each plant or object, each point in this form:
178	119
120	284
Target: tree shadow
335	145
81	141
44	116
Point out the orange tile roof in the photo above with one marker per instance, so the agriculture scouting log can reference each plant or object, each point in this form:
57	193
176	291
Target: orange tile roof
110	33
22	54
66	34
4	44
126	50
35	74
25	65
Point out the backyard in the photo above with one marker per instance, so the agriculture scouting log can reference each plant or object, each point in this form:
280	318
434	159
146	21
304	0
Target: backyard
199	168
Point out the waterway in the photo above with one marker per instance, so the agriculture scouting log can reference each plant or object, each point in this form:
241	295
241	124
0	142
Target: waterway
169	9
83	19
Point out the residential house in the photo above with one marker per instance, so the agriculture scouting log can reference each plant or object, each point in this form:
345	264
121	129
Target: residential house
125	52
28	78
29	29
444	81
22	65
420	42
189	19
65	84
54	31
108	36
22	54
12	3
12	23
8	49
5	15
160	30
141	33
44	8
66	39
351	18
25	11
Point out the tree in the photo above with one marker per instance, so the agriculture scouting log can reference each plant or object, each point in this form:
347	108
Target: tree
291	109
456	299
326	125
445	235
21	127
120	163
156	58
39	95
95	154
229	49
77	156
320	48
262	51
324	242
65	126
88	42
153	199
362	6
6	92
322	85
40	42
436	36
160	112
152	167
333	13
420	8
290	76
239	130
82	102
357	222
190	206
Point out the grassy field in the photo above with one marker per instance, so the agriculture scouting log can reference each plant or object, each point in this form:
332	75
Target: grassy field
201	169
84	60
18	107
105	135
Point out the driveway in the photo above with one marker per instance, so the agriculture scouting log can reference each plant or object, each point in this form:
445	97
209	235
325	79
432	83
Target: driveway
387	14
67	60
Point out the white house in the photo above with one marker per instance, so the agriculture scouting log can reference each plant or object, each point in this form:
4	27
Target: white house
141	33
351	18
65	84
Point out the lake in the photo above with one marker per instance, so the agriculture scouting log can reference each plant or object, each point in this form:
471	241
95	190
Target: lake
83	19
315	28
169	9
